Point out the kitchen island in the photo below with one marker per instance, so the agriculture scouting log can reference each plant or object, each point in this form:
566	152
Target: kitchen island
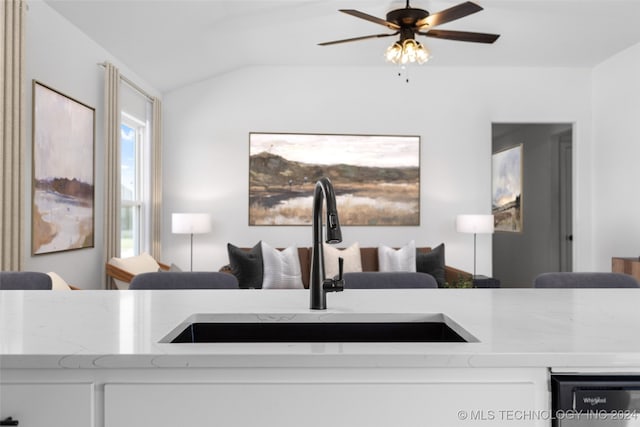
98	356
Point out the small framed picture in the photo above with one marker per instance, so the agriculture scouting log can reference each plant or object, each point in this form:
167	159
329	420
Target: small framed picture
506	185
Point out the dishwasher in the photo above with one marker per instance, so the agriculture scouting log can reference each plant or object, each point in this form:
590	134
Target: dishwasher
595	400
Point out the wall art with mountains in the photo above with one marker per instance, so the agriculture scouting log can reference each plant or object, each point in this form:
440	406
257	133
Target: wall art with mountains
376	178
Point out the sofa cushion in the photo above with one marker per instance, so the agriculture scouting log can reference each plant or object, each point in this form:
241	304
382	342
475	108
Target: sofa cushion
281	269
403	259
432	263
351	256
246	265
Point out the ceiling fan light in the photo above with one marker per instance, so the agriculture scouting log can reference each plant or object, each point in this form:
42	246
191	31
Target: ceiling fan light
422	54
406	52
409	48
394	53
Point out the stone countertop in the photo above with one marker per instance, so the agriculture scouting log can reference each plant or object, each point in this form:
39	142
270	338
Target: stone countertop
560	328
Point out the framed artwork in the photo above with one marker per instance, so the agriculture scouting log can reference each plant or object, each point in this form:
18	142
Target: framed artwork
63	172
376	178
506	185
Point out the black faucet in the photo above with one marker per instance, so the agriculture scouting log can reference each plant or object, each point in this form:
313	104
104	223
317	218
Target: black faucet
319	286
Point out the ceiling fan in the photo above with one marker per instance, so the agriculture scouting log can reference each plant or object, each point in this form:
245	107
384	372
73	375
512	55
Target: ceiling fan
409	21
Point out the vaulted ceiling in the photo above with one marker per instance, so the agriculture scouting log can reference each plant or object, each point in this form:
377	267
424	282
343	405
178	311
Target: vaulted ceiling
171	43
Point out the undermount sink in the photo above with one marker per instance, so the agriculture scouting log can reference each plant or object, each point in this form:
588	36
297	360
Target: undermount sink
313	328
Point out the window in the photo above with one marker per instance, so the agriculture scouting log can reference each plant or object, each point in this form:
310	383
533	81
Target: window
134	195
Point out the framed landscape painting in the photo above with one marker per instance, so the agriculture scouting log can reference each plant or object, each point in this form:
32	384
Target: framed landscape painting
376	178
506	203
63	172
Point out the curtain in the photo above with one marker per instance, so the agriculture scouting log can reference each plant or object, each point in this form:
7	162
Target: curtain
112	165
156	179
113	80
12	132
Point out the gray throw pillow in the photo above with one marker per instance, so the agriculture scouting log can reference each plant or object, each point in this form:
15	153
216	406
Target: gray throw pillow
246	266
432	263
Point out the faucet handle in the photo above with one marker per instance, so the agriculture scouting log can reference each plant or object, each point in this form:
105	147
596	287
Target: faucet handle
335	285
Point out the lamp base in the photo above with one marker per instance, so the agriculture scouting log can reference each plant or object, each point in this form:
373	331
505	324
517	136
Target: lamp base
474	254
191	264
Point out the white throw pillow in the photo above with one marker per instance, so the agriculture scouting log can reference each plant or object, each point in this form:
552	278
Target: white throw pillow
58	283
281	269
143	263
351	256
403	259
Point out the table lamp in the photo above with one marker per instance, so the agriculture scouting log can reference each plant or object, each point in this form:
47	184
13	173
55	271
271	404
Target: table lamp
476	224
190	223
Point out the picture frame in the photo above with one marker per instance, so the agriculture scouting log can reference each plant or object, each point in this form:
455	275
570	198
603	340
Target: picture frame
506	189
63	193
376	178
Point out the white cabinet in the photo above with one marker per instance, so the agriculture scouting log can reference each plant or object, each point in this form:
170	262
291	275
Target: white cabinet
379	402
47	405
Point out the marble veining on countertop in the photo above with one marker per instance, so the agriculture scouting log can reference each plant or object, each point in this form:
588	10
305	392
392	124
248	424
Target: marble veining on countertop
514	327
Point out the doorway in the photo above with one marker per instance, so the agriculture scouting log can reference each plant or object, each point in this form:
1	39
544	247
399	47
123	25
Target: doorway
545	242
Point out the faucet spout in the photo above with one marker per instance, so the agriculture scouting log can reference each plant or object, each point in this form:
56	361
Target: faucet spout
318	285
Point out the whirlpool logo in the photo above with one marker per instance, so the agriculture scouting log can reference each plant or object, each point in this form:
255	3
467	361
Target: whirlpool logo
594	400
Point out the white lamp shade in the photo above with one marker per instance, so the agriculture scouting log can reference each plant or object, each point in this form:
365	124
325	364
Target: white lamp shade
476	224
190	223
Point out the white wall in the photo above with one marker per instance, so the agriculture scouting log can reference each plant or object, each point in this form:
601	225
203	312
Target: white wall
62	57
616	170
206	145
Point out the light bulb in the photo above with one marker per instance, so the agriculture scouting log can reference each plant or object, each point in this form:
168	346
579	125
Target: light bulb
393	53
422	54
407	52
409	49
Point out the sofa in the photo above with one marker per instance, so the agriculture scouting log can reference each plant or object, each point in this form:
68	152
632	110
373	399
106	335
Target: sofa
369	262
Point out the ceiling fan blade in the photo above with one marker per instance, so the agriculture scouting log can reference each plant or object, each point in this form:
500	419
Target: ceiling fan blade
448	15
462	36
370	18
356	39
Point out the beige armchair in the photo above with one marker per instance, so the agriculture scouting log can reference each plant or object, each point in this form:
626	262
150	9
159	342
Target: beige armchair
122	270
